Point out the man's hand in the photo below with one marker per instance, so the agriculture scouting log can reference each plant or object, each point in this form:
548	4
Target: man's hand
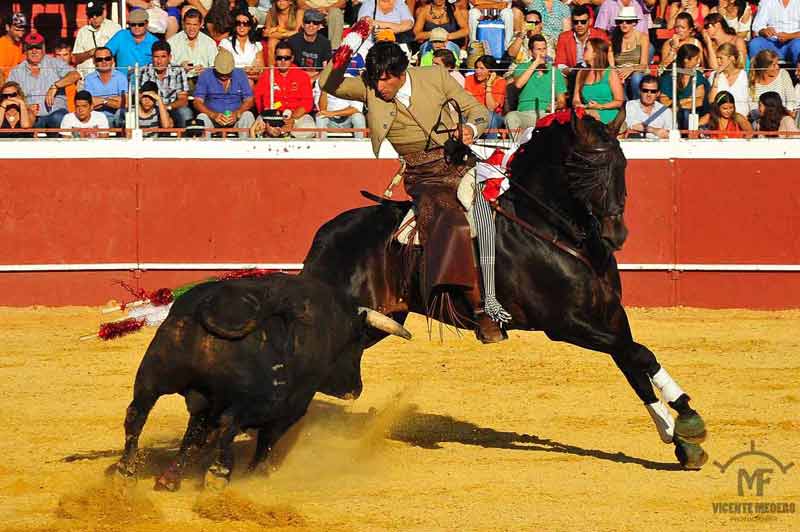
783	37
50	97
288	125
637	127
768	32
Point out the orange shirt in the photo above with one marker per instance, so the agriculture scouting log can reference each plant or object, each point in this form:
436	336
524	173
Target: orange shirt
10	54
478	90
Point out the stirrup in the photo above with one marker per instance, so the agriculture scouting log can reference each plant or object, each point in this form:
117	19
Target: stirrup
495	310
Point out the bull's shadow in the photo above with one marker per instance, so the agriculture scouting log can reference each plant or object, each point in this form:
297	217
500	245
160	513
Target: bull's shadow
427	431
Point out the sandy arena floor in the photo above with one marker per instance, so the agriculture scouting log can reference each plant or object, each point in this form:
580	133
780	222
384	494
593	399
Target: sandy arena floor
525	435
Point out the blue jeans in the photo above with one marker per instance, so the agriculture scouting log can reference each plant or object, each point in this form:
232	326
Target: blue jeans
354	121
181	115
788	51
496	121
51	121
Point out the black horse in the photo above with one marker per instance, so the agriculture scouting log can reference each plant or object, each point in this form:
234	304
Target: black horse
557	229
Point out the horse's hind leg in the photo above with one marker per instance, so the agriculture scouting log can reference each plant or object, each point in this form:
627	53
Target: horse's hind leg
193	440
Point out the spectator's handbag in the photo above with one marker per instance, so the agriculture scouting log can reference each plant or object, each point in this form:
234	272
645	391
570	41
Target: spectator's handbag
157	18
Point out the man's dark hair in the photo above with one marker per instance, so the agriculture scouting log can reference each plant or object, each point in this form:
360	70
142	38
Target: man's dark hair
384	58
535	38
161	46
62	44
100	49
193	13
534	12
283	44
649	78
580	10
85	96
447	57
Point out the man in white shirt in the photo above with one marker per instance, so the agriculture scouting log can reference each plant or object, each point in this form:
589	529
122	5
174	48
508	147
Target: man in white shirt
338	113
646	117
777	28
96	33
191	48
84	117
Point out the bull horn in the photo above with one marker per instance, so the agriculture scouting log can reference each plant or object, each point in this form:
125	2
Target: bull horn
384	323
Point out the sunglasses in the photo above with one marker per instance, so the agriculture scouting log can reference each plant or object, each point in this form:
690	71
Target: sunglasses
283	58
137	24
34	47
5	95
103	59
621	22
648	91
314	22
243	23
580	22
534	22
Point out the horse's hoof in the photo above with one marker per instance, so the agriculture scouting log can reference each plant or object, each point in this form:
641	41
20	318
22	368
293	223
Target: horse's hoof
690	455
217	478
118	471
690	428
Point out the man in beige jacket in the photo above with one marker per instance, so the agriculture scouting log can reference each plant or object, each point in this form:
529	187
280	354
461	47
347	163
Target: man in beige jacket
408	107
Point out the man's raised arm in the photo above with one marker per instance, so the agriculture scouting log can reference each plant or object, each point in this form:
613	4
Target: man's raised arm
333	82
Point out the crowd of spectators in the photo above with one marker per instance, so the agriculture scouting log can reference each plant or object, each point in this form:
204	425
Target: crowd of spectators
729	66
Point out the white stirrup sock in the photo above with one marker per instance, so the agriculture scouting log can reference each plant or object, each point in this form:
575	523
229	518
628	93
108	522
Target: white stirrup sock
669	389
663	420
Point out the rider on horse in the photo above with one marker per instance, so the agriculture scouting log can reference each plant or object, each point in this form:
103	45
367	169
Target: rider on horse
410	108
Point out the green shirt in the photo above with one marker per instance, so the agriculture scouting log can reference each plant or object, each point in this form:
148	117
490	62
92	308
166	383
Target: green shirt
535	95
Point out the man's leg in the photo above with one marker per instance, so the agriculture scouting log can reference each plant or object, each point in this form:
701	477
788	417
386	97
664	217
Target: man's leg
792	52
485	228
304	122
358	121
206	120
335	26
53	120
474	16
761	43
245	121
322	123
507	16
181	115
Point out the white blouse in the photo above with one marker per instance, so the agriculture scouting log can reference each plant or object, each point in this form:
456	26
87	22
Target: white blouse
242	58
740	90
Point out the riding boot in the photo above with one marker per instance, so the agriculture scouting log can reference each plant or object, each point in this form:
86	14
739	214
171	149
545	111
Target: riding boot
486	329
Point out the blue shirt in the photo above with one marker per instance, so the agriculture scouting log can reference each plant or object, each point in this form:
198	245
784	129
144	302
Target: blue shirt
127	52
209	88
115	87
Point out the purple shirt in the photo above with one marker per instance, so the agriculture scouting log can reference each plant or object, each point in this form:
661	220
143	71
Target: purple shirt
209	88
607	14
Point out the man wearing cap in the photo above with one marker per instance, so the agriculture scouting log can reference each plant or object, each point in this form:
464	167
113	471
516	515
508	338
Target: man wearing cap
171	82
437	41
83	117
409	108
134	45
96	33
333	11
108	86
43	79
310	48
191	48
223	96
291	94
11	53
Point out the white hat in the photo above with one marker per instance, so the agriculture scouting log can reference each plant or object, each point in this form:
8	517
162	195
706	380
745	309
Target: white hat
627	13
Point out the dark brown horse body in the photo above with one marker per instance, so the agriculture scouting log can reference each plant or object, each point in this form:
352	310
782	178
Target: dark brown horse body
568	185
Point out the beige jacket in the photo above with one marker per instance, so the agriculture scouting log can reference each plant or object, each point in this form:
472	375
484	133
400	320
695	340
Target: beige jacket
431	86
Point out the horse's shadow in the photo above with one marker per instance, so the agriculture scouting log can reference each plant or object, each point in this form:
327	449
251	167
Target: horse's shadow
427	431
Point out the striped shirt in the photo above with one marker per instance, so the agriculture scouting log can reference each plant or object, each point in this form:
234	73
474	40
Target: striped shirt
36	87
774	14
173	83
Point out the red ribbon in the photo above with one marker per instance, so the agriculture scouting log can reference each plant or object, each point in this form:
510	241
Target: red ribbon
562	117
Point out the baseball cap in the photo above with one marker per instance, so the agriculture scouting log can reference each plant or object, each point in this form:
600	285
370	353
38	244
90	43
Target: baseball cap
138	16
312	15
223	63
438	35
19	20
33	39
94	8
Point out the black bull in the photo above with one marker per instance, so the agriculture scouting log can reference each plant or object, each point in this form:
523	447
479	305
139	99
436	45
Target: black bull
569	182
248	353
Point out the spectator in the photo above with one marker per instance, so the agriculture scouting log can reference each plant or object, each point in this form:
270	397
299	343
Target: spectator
171	82
688	57
134	45
596	89
534	79
62	50
696	10
773	116
442	14
519	49
631	51
507	15
14	112
767	76
310	48
152	111
191	48
11	53
571	43
392	15
83	117
43	78
223	96
438	41
716	32
291	93
722	120
777	26
737	14
333	10
729	77
444	58
609	11
96	33
107	86
341	114
283	20
219	20
684	34
647	117
247	54
489	89
555	16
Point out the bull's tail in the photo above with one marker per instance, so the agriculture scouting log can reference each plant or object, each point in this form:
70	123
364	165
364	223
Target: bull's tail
231	312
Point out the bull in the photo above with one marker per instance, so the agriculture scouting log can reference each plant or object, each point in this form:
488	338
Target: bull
248	354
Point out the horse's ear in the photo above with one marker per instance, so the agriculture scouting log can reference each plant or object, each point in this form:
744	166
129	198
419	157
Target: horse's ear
615	126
